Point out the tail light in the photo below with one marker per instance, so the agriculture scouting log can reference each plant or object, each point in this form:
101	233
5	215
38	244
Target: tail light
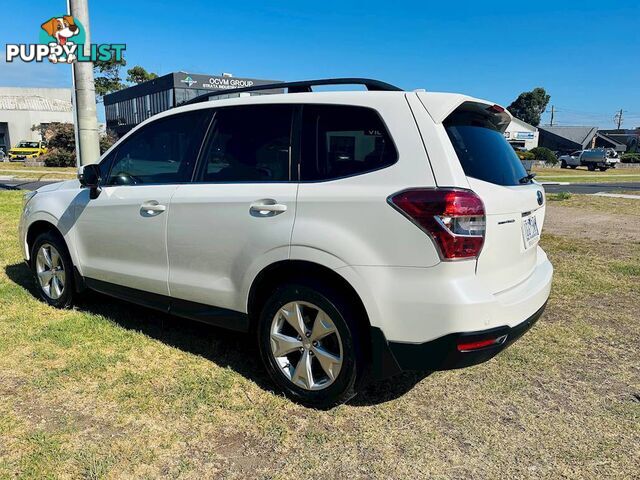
454	218
480	344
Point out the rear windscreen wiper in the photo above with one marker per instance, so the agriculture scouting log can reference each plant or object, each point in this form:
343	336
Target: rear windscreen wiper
527	179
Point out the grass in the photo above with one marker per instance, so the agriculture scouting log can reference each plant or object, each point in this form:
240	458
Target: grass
110	390
598	204
19	170
582	175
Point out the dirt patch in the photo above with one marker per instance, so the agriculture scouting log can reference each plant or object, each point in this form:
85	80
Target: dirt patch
591	225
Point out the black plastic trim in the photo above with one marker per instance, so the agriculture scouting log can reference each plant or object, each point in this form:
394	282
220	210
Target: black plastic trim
441	353
219	317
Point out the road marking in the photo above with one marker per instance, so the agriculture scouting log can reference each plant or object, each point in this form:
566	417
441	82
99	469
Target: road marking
616	195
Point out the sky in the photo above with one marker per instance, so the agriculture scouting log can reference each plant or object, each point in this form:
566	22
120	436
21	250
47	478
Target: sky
585	54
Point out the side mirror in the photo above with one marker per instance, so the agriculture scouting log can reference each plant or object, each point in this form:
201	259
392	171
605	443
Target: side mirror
89	176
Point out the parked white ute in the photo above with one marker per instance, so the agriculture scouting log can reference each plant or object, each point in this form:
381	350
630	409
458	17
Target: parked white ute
357	234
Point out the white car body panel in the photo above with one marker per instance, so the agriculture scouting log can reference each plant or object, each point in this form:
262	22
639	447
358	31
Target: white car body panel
214	240
118	242
207	248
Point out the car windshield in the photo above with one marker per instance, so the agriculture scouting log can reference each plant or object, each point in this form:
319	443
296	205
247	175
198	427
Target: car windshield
28	145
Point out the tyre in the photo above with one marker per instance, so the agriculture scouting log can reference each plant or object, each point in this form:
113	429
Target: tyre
563	164
603	169
310	344
591	168
53	270
574	167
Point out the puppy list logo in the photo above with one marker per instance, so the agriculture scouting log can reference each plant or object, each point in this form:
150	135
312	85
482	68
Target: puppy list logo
62	40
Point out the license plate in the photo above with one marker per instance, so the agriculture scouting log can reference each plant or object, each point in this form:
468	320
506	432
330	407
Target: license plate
530	232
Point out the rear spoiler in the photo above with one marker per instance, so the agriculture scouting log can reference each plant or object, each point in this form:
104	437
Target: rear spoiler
441	105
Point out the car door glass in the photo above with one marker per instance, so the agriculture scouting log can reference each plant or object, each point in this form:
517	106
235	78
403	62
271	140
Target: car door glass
249	144
341	140
161	152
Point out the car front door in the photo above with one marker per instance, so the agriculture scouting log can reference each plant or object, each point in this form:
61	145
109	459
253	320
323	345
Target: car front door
239	213
121	234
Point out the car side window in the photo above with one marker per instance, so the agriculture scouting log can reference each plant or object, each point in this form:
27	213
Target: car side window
105	166
249	143
340	141
163	152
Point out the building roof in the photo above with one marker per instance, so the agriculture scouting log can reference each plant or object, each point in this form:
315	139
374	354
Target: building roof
36	99
580	135
522	124
618	146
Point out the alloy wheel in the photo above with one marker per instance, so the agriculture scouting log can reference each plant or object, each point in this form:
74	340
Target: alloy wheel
50	271
306	345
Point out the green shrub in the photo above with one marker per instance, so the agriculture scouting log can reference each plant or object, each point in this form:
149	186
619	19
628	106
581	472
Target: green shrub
559	196
58	157
545	155
522	155
630	158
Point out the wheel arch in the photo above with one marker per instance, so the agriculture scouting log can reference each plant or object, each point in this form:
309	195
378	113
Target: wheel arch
37	228
275	274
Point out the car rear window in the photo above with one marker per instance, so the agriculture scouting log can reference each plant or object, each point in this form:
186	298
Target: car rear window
482	149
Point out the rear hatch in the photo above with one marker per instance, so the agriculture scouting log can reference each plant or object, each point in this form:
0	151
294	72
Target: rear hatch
514	204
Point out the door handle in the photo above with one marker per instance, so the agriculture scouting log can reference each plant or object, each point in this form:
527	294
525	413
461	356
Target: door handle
152	208
266	208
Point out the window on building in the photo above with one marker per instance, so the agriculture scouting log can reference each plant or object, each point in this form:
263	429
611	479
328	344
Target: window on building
249	144
164	151
340	141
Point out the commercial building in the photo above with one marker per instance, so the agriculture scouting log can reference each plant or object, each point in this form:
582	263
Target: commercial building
521	135
21	109
127	108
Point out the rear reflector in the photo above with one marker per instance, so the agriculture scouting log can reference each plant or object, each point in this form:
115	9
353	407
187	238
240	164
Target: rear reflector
454	218
470	346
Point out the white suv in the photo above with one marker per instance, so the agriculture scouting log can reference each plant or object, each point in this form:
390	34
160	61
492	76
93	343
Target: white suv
357	234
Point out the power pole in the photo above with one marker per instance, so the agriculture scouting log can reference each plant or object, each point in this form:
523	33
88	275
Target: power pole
552	112
86	113
618	118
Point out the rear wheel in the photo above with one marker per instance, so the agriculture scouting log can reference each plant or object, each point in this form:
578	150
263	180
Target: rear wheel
591	168
563	164
53	270
574	166
310	345
603	169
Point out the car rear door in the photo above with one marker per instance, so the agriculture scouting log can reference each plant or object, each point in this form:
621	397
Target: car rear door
121	234
237	216
514	205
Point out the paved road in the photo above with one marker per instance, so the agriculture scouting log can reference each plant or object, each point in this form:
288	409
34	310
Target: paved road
594	187
23	184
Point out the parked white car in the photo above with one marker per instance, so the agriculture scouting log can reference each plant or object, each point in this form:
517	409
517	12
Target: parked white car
357	234
600	158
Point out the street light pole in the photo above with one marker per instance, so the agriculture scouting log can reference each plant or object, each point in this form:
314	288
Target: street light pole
87	132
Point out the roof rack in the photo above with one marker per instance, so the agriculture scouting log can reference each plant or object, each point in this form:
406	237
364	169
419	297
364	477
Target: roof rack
299	87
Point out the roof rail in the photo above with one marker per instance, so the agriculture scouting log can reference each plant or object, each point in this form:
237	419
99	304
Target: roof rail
299	87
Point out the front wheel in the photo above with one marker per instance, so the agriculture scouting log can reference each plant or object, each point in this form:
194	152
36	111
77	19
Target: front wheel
563	164
310	345
603	169
591	168
53	270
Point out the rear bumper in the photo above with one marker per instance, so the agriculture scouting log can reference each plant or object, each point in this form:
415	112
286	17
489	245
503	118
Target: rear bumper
442	353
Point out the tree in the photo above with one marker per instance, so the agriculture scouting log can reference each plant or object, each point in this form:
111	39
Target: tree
138	75
108	79
529	106
107	76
